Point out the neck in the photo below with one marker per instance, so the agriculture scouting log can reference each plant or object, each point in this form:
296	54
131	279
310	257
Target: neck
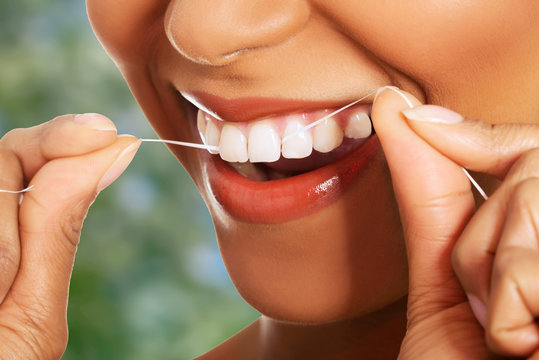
374	336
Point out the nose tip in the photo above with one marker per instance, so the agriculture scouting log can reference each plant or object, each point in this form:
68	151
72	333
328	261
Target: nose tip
216	32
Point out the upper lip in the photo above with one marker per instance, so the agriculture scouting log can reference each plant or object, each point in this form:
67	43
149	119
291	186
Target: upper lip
251	108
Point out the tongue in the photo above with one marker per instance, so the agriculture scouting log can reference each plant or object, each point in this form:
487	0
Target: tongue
316	159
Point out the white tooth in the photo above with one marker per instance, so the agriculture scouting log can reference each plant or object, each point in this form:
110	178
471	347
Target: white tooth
264	143
201	125
359	126
233	144
298	146
212	135
327	136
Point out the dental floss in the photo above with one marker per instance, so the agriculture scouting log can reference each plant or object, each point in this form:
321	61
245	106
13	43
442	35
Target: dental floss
472	180
183	143
30	188
475	184
313	124
286	138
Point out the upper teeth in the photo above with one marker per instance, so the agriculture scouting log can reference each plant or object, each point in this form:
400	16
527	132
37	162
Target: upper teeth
299	145
261	141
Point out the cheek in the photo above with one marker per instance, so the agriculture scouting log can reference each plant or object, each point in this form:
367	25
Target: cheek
432	40
126	27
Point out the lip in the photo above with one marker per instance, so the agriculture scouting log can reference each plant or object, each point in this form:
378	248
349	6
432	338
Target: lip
251	108
283	200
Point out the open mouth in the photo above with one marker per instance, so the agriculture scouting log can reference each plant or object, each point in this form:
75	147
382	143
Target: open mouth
267	172
272	148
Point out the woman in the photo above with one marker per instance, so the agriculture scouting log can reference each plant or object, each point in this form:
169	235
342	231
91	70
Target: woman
313	239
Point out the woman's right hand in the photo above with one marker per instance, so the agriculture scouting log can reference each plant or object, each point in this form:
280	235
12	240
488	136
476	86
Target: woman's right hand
473	275
68	160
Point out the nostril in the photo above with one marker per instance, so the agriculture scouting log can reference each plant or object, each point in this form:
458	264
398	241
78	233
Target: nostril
217	31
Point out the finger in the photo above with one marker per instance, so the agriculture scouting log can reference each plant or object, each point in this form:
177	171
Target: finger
514	298
511	327
521	228
51	218
435	202
475	145
66	135
473	255
10	178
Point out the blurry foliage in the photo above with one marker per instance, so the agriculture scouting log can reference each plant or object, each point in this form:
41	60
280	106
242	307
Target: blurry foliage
148	282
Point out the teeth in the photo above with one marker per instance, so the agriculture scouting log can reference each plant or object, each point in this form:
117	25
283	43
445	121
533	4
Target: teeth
298	146
264	143
233	144
201	125
327	136
359	126
212	135
261	141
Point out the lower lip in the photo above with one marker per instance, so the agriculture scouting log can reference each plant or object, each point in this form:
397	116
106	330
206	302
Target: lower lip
283	200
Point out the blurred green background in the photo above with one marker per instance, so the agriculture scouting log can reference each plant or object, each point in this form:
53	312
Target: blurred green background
148	282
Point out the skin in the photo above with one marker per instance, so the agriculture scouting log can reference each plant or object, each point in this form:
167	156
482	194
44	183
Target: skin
353	269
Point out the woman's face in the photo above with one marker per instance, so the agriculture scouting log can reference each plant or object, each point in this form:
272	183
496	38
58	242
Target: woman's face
317	238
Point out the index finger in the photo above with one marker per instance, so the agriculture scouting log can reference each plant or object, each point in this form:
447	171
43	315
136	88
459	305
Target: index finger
64	136
473	144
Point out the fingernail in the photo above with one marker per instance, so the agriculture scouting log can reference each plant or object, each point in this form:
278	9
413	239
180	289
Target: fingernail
95	121
398	92
478	309
433	114
380	90
119	165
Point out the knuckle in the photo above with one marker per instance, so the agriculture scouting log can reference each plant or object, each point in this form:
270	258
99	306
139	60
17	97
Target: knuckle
70	227
70	230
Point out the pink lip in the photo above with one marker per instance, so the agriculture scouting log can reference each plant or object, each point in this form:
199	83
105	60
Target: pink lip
246	109
278	201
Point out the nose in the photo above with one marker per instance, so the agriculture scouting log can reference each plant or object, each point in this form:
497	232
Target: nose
216	32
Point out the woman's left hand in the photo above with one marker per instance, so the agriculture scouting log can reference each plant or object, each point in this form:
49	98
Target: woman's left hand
464	262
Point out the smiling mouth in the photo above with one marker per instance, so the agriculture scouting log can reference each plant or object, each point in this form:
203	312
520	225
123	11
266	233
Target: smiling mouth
257	177
272	148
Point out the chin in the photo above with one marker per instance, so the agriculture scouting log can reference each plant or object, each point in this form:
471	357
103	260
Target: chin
320	268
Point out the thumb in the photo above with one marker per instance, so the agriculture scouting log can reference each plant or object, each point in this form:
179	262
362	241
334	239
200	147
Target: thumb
51	218
435	202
